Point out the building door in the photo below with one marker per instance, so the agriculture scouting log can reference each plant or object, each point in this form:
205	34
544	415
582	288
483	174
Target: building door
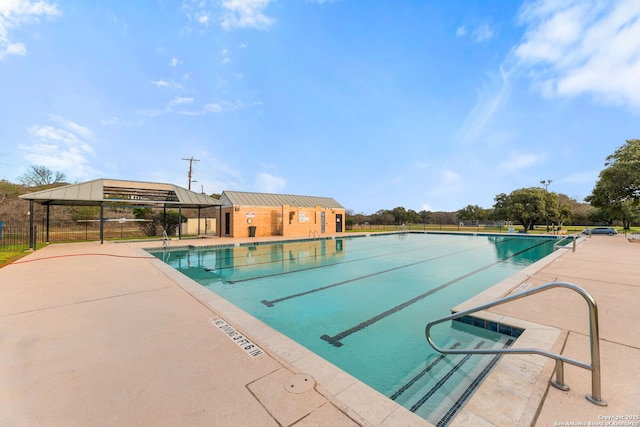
322	222
227	223
338	223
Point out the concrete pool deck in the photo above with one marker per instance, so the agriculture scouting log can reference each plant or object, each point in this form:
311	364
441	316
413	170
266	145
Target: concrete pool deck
96	334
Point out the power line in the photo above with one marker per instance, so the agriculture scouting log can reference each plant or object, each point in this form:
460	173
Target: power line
191	162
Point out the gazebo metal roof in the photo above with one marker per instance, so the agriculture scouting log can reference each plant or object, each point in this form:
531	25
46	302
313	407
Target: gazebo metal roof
133	193
113	192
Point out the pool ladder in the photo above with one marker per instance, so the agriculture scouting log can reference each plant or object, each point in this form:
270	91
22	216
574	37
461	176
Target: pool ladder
594	338
314	234
165	239
557	245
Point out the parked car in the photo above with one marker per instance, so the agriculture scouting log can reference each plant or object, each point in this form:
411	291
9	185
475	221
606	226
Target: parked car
600	230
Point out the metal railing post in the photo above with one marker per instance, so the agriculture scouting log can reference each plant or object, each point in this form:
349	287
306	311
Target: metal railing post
594	338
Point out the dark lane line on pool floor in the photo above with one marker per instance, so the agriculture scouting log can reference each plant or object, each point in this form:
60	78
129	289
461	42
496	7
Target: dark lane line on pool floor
271	303
335	340
443	380
453	410
270	261
282	273
234	266
422	373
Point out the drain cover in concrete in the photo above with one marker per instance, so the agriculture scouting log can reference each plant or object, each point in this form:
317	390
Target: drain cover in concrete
299	383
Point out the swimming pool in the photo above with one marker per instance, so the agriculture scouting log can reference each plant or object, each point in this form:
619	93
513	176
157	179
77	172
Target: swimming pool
362	302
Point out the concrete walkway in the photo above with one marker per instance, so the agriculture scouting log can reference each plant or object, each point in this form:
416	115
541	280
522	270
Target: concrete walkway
96	334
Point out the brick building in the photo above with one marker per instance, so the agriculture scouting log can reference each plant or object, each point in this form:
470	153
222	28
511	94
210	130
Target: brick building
245	214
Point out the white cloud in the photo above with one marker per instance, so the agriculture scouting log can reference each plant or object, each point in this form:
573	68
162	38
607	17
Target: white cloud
73	127
213	108
117	121
267	183
583	47
482	33
178	106
13	13
478	35
180	101
450	177
203	18
168	84
489	100
175	62
517	161
64	148
246	14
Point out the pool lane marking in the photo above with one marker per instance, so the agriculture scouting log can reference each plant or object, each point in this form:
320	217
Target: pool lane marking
274	261
271	303
448	416
422	373
442	242
443	380
282	273
335	340
436	241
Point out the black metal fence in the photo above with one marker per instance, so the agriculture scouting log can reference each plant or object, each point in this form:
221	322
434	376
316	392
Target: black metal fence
15	236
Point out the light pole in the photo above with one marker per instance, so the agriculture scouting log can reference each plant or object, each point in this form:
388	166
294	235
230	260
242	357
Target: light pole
546	216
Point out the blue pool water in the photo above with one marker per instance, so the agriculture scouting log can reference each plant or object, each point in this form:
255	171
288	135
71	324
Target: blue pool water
362	302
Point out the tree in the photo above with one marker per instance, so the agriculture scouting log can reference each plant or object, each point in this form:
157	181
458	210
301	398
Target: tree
470	213
528	206
37	176
400	215
619	182
155	222
425	216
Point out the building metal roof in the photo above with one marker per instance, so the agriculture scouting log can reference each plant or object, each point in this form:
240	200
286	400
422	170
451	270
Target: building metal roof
240	198
133	193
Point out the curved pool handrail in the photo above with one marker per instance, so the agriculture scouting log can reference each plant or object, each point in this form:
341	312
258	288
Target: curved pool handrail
594	335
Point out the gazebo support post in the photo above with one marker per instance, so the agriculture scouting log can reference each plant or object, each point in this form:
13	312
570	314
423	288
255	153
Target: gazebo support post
32	237
101	223
198	220
179	222
48	222
164	218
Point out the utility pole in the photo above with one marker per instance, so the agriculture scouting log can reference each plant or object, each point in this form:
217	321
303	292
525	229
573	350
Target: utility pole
191	162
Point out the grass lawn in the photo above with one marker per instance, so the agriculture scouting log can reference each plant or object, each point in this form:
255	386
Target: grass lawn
10	256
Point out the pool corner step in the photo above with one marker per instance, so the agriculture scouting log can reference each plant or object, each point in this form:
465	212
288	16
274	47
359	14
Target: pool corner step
431	396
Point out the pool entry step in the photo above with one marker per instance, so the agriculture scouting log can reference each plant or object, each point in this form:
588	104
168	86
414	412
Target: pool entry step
437	389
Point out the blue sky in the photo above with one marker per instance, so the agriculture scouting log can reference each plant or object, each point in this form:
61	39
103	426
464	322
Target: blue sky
423	104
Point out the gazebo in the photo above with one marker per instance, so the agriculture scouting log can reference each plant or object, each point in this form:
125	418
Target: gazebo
101	192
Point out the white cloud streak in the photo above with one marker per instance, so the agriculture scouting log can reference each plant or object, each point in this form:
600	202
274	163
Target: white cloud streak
482	33
13	13
577	47
62	148
518	161
246	14
268	183
489	100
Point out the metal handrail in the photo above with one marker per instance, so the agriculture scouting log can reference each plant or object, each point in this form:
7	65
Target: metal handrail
574	236
595	396
165	239
313	234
